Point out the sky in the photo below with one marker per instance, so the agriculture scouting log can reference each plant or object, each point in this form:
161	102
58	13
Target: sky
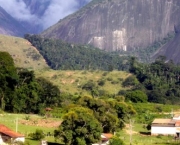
57	10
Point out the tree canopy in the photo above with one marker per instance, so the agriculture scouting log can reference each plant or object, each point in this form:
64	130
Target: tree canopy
79	127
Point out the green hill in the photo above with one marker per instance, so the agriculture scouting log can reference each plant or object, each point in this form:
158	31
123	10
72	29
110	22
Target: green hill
23	53
73	82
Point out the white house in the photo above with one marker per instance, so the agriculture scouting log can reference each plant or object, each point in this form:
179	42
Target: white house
166	126
7	135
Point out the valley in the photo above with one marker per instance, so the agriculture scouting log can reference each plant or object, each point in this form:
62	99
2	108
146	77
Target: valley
90	72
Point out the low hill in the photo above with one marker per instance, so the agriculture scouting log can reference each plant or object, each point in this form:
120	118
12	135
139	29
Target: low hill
23	53
73	82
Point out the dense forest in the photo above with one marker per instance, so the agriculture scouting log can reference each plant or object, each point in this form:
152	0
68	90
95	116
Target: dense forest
160	81
66	56
21	92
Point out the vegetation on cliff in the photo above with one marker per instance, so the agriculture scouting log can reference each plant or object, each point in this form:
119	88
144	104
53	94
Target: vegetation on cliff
66	56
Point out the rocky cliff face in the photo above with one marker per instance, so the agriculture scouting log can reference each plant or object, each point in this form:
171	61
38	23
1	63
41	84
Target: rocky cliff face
119	24
33	16
172	49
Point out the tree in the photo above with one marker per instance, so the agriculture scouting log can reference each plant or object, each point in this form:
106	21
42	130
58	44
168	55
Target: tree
50	94
116	141
103	112
79	127
136	96
130	81
37	135
123	111
8	78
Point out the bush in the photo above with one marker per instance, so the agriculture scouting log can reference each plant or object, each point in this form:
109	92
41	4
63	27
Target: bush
130	81
116	141
136	96
101	82
38	135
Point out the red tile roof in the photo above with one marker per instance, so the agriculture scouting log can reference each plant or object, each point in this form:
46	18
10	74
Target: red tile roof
5	130
177	123
106	136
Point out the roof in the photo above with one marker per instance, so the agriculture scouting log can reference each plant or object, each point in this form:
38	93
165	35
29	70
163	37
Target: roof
5	130
48	109
163	121
177	123
106	136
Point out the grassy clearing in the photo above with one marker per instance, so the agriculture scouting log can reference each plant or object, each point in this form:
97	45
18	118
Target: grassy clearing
140	136
16	123
72	81
23	53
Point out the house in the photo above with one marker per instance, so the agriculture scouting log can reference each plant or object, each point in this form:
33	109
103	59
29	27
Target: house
166	126
105	137
8	135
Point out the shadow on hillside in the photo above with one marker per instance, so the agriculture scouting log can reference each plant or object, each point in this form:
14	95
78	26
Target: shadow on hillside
145	133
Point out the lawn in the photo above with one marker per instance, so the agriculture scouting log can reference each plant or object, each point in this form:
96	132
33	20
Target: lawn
141	136
26	124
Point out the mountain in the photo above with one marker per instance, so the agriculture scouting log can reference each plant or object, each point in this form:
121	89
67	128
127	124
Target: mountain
9	25
171	50
33	16
119	24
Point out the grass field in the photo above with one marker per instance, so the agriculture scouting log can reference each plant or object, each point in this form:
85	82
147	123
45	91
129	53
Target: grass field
19	123
23	53
140	136
72	81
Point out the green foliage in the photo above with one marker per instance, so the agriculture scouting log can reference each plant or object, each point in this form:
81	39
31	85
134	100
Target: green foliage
101	82
159	80
79	127
8	78
19	87
66	56
116	141
37	135
111	114
136	96
130	81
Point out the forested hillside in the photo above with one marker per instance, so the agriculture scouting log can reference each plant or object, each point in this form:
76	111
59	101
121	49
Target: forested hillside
21	92
67	56
160	81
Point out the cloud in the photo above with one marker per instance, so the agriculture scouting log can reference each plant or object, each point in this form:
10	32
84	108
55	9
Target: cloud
56	10
17	9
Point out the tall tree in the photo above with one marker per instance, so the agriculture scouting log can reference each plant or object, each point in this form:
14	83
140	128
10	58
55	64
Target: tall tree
8	78
79	127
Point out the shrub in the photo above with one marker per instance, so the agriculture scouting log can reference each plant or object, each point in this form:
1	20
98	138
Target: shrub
101	82
37	135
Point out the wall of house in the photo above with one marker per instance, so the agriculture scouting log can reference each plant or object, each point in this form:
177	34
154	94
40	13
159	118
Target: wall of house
155	130
22	139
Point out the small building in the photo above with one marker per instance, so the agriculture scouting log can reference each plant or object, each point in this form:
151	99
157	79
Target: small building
166	126
105	137
163	127
8	135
